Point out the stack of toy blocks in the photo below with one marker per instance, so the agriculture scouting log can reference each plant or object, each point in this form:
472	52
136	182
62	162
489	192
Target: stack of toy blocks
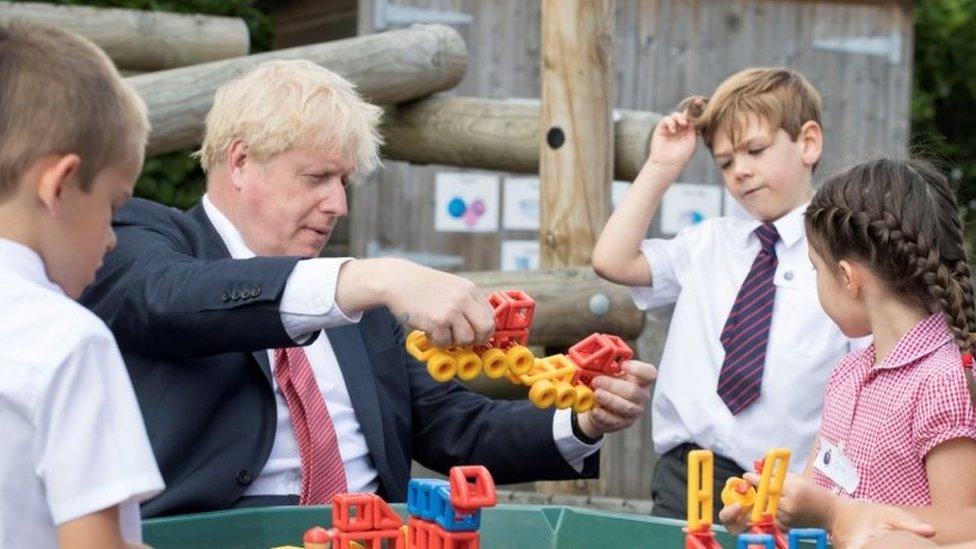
447	514
367	519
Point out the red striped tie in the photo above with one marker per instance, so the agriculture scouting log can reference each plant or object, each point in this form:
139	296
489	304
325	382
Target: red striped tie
746	331
323	475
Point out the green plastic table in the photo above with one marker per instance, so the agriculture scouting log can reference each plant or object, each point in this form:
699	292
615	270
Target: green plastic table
504	526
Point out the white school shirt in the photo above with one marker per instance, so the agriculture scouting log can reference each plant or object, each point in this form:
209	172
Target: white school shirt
701	270
72	440
307	306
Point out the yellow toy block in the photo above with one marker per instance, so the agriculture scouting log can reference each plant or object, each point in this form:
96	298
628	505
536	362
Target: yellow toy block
737	490
700	484
771	483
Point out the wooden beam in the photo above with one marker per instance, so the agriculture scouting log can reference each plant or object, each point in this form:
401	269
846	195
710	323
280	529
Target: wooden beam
389	67
565	303
142	40
576	159
495	134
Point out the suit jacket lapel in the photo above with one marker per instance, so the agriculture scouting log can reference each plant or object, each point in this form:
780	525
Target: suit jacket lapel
350	351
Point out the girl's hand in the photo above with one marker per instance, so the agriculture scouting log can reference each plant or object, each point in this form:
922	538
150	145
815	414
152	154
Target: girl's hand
735	518
801	502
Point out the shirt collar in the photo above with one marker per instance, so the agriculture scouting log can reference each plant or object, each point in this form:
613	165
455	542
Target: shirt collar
790	227
25	262
925	338
228	232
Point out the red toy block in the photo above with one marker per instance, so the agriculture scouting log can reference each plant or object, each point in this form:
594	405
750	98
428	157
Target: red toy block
358	521
384	517
472	488
513	309
600	354
372	540
419	534
457	540
702	538
766	525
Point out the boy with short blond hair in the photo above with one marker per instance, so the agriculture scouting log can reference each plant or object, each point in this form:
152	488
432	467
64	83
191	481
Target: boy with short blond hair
74	456
749	347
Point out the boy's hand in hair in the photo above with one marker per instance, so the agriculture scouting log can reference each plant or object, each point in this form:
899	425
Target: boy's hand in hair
673	143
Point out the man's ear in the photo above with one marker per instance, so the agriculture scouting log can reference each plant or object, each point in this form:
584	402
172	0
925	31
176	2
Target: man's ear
55	174
851	278
238	158
810	140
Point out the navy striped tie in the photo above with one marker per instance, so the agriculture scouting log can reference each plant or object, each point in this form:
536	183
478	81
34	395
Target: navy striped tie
746	331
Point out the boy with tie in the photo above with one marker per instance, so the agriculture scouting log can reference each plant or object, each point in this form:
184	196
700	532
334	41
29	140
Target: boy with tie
749	347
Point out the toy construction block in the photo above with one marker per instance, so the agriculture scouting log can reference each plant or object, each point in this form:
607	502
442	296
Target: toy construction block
817	535
599	354
552	382
774	468
423	534
363	512
738	490
504	353
698	534
472	489
751	541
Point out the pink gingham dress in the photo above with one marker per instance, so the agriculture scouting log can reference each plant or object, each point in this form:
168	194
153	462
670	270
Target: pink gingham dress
887	417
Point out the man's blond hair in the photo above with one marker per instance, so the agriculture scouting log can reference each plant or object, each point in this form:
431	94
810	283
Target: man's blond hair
285	104
783	97
60	94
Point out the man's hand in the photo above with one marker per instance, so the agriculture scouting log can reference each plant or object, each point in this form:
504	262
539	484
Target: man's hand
450	309
861	524
621	400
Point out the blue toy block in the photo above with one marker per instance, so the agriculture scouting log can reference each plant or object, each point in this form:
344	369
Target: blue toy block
745	540
447	517
808	534
420	497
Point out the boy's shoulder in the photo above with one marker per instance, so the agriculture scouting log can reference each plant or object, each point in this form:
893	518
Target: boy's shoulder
45	327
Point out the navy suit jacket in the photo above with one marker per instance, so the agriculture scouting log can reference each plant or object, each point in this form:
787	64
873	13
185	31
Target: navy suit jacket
194	326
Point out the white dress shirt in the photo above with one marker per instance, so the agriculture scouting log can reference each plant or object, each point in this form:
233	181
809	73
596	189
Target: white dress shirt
73	440
701	270
307	306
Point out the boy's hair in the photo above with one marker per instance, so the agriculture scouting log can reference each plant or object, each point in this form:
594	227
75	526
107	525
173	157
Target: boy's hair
60	94
285	104
782	97
900	218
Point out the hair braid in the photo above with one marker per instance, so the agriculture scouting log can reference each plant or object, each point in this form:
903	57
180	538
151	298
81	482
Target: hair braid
901	219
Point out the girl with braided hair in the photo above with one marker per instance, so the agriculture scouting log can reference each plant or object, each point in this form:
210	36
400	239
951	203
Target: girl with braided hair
898	425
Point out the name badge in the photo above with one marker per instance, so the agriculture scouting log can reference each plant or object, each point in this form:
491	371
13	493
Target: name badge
833	463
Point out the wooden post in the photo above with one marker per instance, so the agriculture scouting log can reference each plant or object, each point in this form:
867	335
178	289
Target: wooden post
576	157
138	40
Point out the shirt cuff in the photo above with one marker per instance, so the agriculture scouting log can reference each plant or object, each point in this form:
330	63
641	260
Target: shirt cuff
573	450
308	303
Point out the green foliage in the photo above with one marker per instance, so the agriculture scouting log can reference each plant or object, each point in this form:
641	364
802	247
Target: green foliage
944	94
176	178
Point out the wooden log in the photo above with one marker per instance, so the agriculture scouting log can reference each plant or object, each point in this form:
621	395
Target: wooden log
142	40
389	67
563	313
576	159
496	134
